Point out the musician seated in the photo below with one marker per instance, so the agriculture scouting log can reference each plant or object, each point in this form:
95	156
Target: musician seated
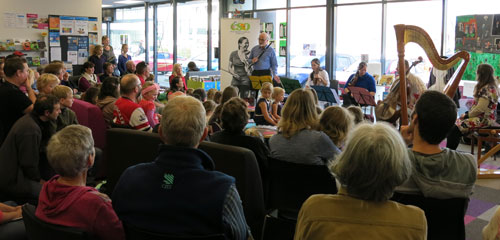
319	76
440	173
360	79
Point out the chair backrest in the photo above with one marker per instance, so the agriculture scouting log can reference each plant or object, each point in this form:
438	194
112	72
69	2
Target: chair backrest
290	184
37	229
134	233
445	217
90	115
73	81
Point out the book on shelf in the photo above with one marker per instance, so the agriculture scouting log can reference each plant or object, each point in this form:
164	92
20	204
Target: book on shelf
36	61
30	61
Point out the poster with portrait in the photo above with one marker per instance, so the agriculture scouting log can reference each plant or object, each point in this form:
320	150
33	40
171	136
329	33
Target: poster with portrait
238	36
495	28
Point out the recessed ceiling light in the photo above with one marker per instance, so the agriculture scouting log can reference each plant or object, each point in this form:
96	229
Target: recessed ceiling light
106	5
129	2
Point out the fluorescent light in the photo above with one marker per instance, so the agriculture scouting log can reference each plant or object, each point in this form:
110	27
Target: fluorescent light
106	5
129	2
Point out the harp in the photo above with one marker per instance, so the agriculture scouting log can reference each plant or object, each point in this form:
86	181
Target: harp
409	33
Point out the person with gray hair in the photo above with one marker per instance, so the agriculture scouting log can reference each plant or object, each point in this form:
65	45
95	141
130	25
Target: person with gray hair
373	163
65	199
181	182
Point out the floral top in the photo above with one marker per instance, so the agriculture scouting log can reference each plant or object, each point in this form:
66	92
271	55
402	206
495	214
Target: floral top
486	118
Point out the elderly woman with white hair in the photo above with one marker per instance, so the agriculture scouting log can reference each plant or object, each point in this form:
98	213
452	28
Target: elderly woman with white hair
65	199
373	163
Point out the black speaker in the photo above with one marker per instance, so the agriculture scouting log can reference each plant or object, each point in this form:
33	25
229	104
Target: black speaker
108	14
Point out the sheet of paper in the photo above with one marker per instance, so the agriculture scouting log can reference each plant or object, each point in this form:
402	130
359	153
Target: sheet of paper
55	54
73	57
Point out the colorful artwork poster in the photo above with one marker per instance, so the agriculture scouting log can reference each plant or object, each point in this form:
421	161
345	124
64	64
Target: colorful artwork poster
282	48
283	30
32	20
93	25
43	22
54	39
81	26
54	23
93	40
73	44
67	25
495	28
479	58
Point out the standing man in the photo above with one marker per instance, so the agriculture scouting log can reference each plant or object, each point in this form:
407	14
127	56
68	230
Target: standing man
13	102
263	58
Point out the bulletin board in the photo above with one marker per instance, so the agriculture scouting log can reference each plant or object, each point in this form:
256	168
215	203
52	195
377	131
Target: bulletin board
70	38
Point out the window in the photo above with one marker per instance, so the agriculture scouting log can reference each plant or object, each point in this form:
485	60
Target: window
307	40
266	4
356	1
411	13
129	28
300	3
104	28
165	42
270	22
215	33
357	35
231	6
192	34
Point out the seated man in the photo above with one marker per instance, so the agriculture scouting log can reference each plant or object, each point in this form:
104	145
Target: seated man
128	113
20	174
180	193
360	79
64	199
130	67
438	173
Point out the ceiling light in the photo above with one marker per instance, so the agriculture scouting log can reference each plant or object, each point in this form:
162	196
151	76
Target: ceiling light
129	2
106	5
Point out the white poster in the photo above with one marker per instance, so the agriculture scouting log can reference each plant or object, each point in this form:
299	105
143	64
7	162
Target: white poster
14	20
93	25
55	54
238	36
83	55
73	57
67	25
81	26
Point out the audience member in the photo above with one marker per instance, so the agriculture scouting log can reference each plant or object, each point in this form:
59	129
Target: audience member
297	140
319	76
57	68
31	80
316	100
127	112
65	199
109	70
176	86
130	67
211	94
209	106
360	79
67	116
2	74
108	50
483	111
88	78
98	59
191	68
215	121
123	59
108	94
278	97
46	83
234	117
263	114
149	94
439	173
217	97
201	93
190	92
181	182
13	102
492	230
373	163
11	224
336	122
151	78
20	175
91	95
177	72
142	71
357	113
254	132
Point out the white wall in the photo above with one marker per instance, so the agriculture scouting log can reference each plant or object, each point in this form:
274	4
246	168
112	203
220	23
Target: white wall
84	8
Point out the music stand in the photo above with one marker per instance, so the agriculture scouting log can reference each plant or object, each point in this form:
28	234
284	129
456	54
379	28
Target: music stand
257	81
363	97
290	84
327	94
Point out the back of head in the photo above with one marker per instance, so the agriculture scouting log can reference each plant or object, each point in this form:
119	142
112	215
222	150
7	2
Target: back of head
128	83
67	163
109	87
183	122
12	65
373	163
217	97
211	93
228	93
357	113
91	95
141	68
54	68
61	91
45	80
436	114
277	91
234	115
298	113
192	66
485	76
209	105
44	102
314	94
336	122
201	92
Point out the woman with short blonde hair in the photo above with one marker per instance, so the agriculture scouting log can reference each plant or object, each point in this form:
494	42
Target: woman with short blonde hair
46	83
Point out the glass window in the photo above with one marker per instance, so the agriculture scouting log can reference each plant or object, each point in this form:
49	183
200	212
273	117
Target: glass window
192	34
129	28
165	56
266	4
411	13
307	40
104	28
246	5
356	1
270	22
300	3
215	33
356	36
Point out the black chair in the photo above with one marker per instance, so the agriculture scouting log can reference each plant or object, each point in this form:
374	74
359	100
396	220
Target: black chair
276	228
36	229
445	217
134	233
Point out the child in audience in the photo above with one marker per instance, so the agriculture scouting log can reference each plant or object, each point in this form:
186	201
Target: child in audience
200	93
209	106
150	78
46	83
254	132
67	116
263	110
149	93
215	121
189	92
278	96
357	113
211	94
217	97
336	122
91	95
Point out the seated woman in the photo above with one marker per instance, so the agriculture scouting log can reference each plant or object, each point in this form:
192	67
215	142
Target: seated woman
297	140
108	94
109	70
10	227
214	123
336	122
319	76
176	85
46	83
88	79
483	111
234	118
373	163
64	199
360	79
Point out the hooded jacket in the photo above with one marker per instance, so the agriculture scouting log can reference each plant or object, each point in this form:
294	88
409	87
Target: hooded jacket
78	207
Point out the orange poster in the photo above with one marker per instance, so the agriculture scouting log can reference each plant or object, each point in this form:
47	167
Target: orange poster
54	23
